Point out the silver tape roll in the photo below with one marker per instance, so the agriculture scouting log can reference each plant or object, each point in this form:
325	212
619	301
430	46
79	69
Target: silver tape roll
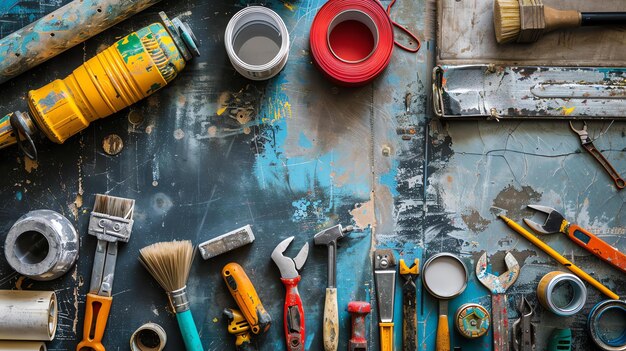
22	346
607	325
148	337
28	315
550	291
257	42
42	245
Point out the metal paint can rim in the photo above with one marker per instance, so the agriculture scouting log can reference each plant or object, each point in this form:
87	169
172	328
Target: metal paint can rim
546	287
257	15
618	344
354	15
428	264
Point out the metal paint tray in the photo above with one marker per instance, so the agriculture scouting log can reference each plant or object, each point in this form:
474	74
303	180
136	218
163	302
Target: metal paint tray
499	92
566	74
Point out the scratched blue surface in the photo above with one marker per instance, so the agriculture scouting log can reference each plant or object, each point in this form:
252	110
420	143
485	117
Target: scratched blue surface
305	155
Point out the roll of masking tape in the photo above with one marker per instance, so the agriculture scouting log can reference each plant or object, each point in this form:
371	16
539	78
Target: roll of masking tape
563	294
257	42
148	337
607	325
22	346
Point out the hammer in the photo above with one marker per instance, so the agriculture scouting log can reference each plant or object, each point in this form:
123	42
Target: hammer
329	238
358	310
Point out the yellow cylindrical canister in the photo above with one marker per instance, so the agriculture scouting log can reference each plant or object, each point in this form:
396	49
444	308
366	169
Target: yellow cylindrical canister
131	69
126	72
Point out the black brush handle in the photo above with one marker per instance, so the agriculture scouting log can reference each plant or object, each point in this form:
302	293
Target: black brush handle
603	18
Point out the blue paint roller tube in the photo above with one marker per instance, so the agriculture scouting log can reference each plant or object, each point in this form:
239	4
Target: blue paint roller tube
60	30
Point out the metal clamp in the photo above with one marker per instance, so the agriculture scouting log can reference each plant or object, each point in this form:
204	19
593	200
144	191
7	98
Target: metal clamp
546	293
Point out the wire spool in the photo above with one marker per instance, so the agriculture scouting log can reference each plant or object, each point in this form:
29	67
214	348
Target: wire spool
352	41
28	315
607	325
472	320
257	42
22	346
563	294
148	337
42	245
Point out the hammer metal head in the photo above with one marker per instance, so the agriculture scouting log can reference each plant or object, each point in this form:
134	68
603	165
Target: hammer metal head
332	234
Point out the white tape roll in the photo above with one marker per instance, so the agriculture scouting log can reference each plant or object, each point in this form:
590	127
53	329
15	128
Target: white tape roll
257	42
148	337
22	346
28	315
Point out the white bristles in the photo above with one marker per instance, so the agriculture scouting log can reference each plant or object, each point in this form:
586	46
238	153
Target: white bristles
506	20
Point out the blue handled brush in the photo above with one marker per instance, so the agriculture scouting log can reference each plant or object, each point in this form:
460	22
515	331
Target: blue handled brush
169	263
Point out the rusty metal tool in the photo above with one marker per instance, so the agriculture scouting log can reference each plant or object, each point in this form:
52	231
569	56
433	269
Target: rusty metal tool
523	328
587	144
247	299
556	223
358	312
409	302
328	237
498	286
385	276
293	315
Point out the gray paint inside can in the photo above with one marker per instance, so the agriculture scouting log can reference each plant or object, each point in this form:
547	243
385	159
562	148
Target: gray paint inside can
257	43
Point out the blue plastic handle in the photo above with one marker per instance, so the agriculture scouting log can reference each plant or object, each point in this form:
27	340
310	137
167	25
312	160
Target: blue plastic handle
188	329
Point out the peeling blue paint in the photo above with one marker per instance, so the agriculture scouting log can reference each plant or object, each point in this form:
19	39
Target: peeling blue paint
18	196
304	141
390	180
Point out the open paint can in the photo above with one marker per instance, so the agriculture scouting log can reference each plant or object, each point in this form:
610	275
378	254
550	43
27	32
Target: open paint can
257	42
445	277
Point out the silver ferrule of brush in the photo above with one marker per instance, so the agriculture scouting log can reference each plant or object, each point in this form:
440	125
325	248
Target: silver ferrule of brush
178	300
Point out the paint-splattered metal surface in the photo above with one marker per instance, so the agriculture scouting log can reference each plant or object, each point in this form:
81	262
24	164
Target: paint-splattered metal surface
213	151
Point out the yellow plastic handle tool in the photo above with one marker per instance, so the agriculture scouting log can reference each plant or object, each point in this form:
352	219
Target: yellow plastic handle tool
96	316
386	336
443	334
557	256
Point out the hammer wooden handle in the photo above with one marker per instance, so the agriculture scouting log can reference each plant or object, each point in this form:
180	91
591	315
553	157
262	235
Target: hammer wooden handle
331	320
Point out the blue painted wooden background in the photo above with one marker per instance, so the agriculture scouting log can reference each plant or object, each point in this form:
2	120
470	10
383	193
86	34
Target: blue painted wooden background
291	156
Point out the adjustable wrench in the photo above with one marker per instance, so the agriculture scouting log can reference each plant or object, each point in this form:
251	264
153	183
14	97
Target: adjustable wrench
293	314
498	286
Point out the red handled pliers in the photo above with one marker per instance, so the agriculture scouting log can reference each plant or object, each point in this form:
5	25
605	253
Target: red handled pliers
293	315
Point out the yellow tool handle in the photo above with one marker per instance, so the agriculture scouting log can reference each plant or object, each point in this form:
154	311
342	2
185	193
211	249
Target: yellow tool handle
247	299
331	321
386	336
443	334
557	256
96	315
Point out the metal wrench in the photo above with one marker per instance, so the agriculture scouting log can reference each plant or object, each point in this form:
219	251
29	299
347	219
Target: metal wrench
498	286
587	144
293	314
556	223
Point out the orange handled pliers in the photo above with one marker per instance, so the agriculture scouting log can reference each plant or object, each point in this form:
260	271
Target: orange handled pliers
556	223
